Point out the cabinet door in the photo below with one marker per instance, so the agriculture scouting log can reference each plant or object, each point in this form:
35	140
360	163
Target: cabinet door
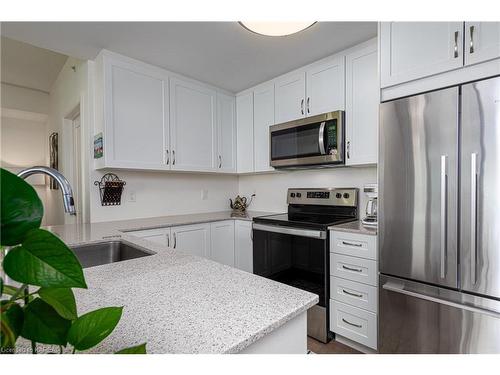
136	116
160	236
192	126
222	242
244	131
243	245
362	106
192	239
263	101
226	133
290	101
325	85
482	41
412	50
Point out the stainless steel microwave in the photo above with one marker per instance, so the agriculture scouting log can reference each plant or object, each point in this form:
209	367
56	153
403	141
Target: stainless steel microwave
312	141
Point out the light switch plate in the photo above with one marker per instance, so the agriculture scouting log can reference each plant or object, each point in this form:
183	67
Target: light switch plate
131	196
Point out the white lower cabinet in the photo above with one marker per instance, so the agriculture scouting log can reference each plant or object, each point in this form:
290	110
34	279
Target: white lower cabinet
192	239
243	245
353	287
222	242
160	236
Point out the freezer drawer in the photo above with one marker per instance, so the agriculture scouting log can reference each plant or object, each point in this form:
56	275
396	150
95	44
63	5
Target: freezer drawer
418	318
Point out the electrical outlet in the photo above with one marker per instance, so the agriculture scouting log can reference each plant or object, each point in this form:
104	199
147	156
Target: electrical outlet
131	196
204	194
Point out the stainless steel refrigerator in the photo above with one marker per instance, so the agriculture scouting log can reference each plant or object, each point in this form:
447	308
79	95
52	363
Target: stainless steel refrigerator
439	224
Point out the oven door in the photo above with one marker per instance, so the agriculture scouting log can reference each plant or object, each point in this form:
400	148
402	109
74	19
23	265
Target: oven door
315	140
299	258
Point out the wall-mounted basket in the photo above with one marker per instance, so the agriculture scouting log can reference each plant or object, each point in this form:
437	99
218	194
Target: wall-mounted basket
110	188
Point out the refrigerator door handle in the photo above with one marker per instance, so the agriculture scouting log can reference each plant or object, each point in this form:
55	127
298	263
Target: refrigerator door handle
399	288
473	216
444	214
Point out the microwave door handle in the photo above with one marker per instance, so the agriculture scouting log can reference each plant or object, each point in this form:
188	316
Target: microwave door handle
321	138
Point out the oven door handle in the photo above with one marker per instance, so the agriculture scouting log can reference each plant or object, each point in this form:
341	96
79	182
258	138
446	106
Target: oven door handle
311	233
321	138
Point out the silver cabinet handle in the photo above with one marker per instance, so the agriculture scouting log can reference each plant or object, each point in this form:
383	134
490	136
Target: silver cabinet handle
471	48
307	105
320	234
321	138
173	157
352	294
175	241
352	324
455	49
167	157
351	269
348	149
220	161
443	215
473	216
168	240
351	244
302	106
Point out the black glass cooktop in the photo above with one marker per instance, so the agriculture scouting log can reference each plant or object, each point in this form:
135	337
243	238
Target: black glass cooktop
303	221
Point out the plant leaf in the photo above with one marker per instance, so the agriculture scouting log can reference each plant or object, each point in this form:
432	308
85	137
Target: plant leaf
44	325
61	299
43	259
9	290
11	323
93	327
139	349
21	209
1	287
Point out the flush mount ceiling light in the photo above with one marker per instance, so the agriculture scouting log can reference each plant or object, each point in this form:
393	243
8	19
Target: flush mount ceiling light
276	28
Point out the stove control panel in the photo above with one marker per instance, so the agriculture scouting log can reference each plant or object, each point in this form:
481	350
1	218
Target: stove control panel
324	196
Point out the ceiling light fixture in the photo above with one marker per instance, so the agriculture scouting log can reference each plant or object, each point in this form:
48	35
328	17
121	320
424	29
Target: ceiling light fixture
276	28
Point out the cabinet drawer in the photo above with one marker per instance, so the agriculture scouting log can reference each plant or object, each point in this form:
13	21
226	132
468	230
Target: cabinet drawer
353	293
355	324
352	268
354	244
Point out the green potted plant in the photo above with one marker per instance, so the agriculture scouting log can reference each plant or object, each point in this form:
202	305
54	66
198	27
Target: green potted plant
42	308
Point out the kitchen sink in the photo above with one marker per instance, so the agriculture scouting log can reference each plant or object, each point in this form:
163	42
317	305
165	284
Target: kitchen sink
96	254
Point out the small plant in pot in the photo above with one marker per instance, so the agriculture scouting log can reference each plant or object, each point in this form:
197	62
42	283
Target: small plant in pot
41	308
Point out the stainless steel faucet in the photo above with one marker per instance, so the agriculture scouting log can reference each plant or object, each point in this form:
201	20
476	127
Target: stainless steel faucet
67	192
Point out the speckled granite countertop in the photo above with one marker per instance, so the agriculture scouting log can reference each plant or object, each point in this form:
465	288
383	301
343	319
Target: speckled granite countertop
180	303
354	227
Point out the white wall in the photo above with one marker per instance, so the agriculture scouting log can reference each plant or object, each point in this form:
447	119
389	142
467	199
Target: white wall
270	189
24	99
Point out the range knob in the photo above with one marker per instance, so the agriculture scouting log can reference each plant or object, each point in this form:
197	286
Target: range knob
292	195
346	195
299	195
338	195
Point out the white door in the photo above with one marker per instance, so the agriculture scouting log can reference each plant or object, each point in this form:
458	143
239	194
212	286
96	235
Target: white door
244	131
362	106
482	41
325	86
226	131
243	245
192	126
192	239
222	242
290	102
412	50
136	107
263	104
160	236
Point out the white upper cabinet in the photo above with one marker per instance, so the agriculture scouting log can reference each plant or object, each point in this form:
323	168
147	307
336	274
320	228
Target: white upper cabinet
244	124
134	104
412	50
482	41
290	102
226	133
263	97
362	105
222	242
191	239
325	86
192	126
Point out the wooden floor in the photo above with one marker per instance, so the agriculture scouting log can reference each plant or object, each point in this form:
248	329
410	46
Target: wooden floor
333	347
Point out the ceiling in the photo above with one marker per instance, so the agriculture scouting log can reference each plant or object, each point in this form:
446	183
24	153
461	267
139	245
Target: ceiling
221	53
28	66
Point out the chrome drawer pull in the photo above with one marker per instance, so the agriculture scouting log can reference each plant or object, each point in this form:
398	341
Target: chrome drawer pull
352	244
352	294
352	324
352	269
455	49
